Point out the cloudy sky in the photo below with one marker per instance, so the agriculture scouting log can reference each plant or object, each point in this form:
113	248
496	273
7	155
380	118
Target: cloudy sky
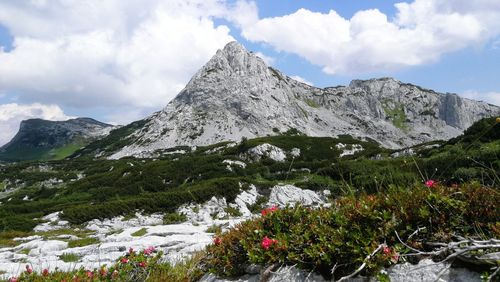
119	61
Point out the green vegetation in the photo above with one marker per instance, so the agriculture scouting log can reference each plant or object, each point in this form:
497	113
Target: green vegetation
62	152
140	232
396	114
311	103
69	257
373	196
214	229
232	211
354	227
82	242
174	218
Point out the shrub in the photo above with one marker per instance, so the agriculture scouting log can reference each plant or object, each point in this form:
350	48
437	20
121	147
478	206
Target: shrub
174	218
345	234
232	211
69	257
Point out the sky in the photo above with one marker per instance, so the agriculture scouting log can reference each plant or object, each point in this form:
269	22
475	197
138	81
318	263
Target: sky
119	61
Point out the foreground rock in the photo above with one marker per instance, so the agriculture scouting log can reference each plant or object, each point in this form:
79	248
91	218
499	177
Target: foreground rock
113	237
425	271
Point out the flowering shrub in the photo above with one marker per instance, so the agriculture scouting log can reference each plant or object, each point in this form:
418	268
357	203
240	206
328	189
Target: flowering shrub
353	228
430	183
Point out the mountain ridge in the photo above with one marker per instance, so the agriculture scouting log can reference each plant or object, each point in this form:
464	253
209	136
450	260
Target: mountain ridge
39	138
235	95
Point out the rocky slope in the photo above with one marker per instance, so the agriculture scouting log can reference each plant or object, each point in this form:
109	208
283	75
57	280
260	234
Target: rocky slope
237	95
44	139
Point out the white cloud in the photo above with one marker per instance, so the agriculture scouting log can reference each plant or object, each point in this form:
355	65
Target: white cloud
135	53
489	97
268	60
301	79
12	114
420	33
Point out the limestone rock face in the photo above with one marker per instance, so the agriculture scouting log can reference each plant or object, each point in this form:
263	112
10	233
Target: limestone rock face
237	95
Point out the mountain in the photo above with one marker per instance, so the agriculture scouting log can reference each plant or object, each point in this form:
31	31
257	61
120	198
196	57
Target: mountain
45	140
237	95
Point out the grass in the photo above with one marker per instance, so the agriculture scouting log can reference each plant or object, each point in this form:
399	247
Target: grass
311	103
82	242
214	229
233	211
62	152
397	115
6	238
141	232
174	218
129	216
185	270
25	251
69	257
47	235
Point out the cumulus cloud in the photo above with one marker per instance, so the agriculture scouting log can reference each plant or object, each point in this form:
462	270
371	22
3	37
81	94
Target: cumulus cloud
12	114
137	53
420	33
301	79
488	97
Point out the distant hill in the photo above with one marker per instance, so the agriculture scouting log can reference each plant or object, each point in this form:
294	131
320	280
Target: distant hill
39	139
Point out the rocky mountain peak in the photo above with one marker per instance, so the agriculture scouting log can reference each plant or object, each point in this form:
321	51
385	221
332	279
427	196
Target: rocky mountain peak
232	60
237	95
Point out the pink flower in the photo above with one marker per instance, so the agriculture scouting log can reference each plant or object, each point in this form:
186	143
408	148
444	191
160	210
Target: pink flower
45	272
395	258
267	243
272	209
13	279
387	250
124	260
142	264
430	183
131	250
90	274
29	270
149	250
217	241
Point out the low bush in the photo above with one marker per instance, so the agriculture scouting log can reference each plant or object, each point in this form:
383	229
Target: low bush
174	218
69	257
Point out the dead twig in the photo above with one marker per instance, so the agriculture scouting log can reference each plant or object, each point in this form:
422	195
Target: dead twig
364	263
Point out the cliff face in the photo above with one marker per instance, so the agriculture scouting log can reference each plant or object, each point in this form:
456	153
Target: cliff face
237	95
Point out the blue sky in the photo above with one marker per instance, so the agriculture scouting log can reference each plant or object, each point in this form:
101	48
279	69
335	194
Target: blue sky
120	61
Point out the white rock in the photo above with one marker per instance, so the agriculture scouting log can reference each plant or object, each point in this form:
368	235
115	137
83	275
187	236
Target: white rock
427	270
244	199
267	150
283	195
